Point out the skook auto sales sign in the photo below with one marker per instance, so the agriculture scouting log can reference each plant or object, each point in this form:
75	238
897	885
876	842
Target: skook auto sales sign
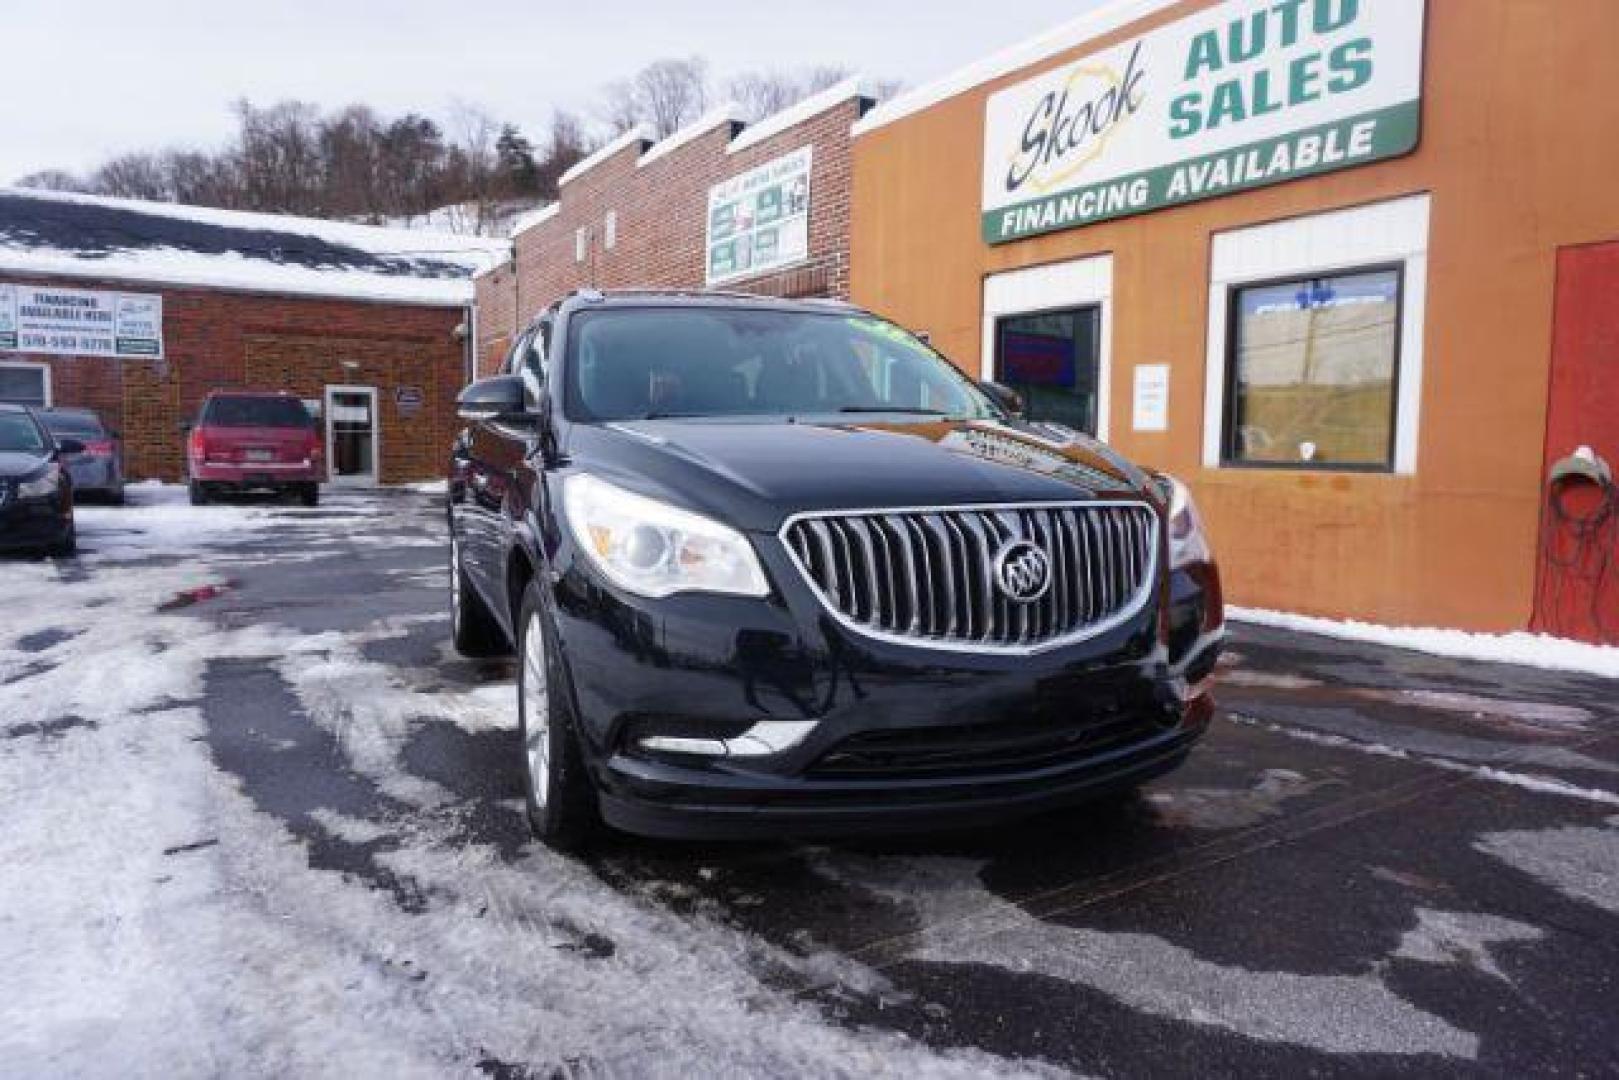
79	322
1243	94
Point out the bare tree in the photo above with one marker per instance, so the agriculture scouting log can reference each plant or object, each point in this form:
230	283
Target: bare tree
765	93
278	157
351	158
567	147
132	176
475	161
666	95
54	180
201	179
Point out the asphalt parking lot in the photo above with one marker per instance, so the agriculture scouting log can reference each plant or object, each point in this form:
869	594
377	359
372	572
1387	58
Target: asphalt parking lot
261	819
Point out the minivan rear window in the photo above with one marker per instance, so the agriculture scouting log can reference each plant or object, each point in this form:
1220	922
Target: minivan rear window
256	412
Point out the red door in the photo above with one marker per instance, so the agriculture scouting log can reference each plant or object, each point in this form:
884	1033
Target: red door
1578	595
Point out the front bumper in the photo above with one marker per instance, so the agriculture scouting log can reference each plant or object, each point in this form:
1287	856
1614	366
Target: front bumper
784	722
32	524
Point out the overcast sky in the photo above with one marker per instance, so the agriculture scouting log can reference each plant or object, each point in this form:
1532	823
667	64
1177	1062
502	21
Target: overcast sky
83	80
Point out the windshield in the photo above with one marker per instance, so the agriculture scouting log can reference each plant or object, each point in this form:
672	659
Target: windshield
73	425
646	363
20	435
256	412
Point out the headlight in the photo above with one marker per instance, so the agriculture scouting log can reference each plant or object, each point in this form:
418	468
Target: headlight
655	549
1187	542
45	483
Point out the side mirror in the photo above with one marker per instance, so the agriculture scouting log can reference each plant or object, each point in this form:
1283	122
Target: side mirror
69	447
1004	396
502	397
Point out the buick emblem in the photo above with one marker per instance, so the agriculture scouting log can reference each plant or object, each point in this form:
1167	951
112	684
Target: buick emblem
1023	571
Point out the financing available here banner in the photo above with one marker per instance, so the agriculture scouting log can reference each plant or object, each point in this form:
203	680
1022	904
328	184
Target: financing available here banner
80	322
1240	95
759	221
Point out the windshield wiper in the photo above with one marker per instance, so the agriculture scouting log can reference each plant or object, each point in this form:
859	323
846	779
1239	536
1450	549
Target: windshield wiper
908	409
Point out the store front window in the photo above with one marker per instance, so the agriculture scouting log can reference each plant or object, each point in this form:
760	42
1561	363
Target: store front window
25	384
1313	366
1052	358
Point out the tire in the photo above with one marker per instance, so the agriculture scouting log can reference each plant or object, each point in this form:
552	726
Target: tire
309	495
117	497
561	798
473	629
68	545
199	494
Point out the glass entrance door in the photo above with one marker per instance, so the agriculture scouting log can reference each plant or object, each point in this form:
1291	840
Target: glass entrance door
1053	359
351	434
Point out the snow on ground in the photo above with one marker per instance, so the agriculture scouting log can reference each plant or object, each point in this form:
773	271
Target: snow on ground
169	926
964	923
1530	650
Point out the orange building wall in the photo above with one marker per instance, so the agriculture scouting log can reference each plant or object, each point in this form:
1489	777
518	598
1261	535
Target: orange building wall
1520	150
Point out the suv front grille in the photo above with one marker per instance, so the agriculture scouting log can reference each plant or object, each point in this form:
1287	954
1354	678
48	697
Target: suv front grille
929	576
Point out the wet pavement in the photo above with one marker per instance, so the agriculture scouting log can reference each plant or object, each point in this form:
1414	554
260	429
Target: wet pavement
265	820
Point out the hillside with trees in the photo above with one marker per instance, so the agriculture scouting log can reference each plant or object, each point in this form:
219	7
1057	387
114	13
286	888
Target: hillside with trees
468	173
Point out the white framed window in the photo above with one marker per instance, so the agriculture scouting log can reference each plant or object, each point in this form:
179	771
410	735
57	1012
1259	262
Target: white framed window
25	383
581	243
1048	333
1314	353
610	231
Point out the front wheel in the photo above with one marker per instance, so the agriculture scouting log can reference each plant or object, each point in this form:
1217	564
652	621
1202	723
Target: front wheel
562	805
68	544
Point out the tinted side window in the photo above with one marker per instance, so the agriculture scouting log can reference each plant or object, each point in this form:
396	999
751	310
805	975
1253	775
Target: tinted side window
513	361
532	352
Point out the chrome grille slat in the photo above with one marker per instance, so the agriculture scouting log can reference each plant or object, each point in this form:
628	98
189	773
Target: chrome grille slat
927	575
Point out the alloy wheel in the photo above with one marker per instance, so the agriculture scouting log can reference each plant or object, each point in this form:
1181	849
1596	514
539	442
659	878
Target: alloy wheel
536	711
455	584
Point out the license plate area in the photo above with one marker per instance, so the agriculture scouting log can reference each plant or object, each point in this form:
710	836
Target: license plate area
257	454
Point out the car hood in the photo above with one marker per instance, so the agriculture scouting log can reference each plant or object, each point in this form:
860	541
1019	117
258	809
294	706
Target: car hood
756	474
15	466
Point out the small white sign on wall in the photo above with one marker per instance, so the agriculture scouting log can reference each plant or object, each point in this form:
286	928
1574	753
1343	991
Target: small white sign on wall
1152	398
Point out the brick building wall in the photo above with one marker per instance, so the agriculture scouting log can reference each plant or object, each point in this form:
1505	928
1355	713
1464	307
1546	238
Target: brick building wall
230	340
497	315
660	198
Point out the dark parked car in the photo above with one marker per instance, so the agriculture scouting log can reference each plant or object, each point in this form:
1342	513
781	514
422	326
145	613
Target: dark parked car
779	568
98	470
254	442
36	489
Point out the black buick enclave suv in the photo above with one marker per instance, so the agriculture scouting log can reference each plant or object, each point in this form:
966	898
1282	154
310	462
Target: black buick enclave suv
779	568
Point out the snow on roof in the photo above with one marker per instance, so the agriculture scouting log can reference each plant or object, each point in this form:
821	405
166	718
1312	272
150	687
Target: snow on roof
534	217
728	113
813	105
638	134
1069	35
47	232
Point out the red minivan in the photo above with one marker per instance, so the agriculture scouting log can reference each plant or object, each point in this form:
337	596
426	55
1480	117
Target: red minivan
254	442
